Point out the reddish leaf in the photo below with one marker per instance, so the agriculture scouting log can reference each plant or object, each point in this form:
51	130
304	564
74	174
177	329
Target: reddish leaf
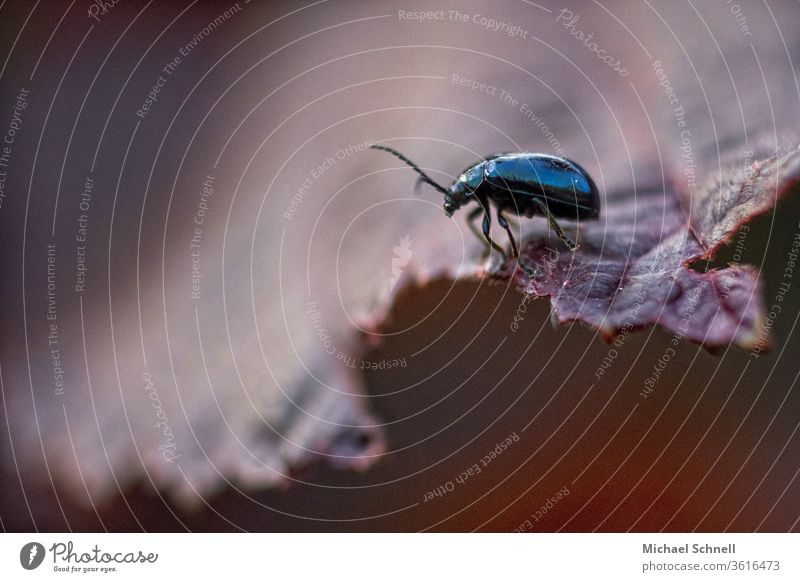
719	209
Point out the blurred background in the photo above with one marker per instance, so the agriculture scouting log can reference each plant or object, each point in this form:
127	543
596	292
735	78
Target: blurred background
197	245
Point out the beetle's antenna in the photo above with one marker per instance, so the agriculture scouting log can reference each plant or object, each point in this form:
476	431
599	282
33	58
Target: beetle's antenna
424	177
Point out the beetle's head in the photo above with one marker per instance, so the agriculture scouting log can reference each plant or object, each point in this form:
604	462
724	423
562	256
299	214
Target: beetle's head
455	197
463	189
450	204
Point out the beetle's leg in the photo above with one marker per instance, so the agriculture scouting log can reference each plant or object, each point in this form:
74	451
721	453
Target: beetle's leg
476	212
512	222
504	223
571	244
487	224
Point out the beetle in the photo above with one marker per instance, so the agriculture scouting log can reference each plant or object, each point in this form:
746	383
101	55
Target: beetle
523	184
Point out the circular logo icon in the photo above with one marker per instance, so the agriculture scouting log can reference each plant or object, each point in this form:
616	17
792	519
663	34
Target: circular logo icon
31	555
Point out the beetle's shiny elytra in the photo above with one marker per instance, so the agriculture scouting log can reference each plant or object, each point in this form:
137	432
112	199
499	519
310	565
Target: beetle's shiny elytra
522	184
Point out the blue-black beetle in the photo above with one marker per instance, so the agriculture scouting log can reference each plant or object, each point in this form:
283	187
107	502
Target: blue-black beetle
519	183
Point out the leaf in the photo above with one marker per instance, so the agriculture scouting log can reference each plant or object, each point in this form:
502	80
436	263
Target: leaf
753	189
